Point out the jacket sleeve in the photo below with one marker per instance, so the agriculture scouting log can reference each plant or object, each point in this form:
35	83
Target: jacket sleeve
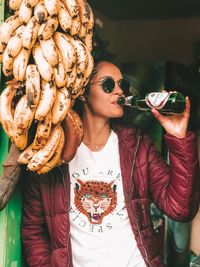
176	188
35	238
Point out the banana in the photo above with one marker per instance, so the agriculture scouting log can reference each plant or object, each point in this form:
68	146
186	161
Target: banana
66	49
88	41
48	28
15	43
52	7
61	105
6	116
81	54
44	154
7	63
90	67
40	12
47	98
60	75
32	85
27	155
25	12
15	4
78	86
90	22
84	11
20	63
23	116
31	3
76	26
72	7
83	31
8	27
64	18
2	48
71	77
40	140
42	132
21	140
71	136
56	158
30	33
45	69
49	51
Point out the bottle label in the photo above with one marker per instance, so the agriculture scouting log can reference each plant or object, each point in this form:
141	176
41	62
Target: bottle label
157	100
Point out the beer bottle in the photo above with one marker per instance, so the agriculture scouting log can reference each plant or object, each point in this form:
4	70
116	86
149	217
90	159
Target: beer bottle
165	102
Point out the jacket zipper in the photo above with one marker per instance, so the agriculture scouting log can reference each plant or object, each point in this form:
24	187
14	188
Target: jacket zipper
129	197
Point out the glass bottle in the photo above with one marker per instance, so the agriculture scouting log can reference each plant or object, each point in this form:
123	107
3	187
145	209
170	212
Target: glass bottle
165	102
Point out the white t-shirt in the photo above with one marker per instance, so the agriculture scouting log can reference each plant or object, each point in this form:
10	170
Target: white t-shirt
100	230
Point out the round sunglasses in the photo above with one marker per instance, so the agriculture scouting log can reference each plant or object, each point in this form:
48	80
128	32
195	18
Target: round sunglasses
108	85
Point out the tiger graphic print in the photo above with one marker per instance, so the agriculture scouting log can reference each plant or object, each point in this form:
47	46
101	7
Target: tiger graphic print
95	199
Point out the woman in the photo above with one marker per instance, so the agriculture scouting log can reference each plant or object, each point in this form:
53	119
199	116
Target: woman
95	210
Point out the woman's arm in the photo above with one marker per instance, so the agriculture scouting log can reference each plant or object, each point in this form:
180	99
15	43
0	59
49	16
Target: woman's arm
176	188
35	238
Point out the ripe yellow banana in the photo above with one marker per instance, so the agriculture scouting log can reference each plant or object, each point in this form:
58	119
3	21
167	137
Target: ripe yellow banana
2	48
49	51
60	75
44	154
90	67
72	7
30	33
15	4
52	7
32	85
78	86
27	155
15	43
78	124
8	60
42	132
40	140
56	158
66	49
21	140
76	26
8	27
40	12
45	69
61	105
20	63
90	22
32	3
6	116
47	98
81	53
48	28
64	18
71	77
25	12
83	31
84	11
23	116
88	41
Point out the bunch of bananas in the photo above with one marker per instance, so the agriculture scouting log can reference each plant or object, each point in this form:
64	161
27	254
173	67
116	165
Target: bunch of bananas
45	51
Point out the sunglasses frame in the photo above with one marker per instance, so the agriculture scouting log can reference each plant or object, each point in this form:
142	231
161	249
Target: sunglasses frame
108	91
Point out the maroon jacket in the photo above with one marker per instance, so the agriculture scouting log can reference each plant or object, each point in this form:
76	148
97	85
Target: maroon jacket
146	178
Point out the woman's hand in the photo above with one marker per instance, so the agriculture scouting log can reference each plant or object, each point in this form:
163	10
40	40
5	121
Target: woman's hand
175	124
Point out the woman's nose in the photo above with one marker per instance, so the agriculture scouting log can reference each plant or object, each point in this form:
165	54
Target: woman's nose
118	89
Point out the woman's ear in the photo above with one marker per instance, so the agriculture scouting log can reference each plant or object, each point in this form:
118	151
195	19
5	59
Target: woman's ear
82	98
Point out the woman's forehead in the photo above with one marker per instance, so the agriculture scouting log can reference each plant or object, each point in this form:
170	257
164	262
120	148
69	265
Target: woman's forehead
107	69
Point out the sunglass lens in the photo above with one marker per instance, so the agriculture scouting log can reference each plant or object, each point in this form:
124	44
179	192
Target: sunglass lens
125	86
108	85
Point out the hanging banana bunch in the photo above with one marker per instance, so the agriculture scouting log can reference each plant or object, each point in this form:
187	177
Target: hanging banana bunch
45	51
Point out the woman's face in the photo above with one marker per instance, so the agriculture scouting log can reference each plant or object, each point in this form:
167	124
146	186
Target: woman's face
100	103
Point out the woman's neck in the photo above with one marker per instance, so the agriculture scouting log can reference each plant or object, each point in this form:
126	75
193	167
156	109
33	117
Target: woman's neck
96	132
